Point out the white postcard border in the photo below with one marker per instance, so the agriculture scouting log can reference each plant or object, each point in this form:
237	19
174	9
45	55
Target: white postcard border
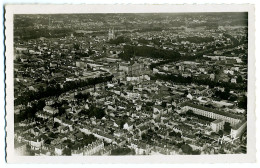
54	9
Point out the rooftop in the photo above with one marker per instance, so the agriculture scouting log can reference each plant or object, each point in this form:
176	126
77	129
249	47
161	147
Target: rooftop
217	121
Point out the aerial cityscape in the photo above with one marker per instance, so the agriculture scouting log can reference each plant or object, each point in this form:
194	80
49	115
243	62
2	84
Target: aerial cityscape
130	84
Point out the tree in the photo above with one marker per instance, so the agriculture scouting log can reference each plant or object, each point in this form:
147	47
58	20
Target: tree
76	46
164	104
221	151
233	98
96	112
56	125
68	143
239	79
150	103
150	52
66	152
122	151
189	112
186	93
221	133
130	87
227	127
243	102
88	139
53	135
196	152
84	112
61	110
187	149
82	96
123	121
146	137
119	40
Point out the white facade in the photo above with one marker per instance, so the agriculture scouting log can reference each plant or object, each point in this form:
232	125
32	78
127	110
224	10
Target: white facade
217	125
237	132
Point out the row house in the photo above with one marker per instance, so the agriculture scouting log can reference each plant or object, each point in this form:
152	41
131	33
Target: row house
212	113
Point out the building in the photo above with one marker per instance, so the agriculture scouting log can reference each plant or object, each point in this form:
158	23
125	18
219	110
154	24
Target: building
50	110
136	69
233	119
212	76
118	75
238	129
76	152
132	69
233	80
80	64
36	144
217	125
58	150
94	148
20	148
42	115
158	109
